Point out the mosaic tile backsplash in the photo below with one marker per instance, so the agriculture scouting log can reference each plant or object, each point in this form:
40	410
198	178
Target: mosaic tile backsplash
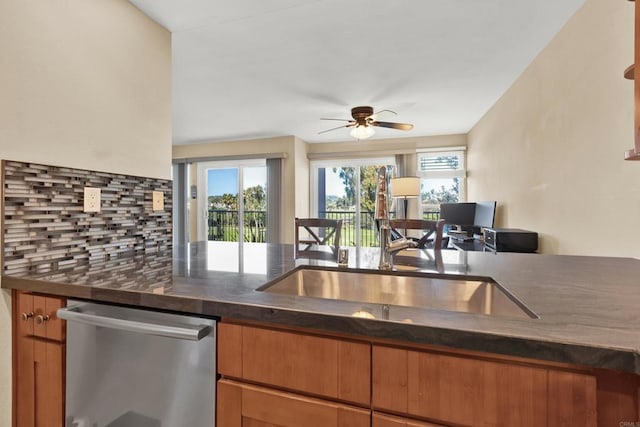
46	229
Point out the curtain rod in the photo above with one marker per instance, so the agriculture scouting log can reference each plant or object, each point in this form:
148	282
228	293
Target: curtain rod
230	157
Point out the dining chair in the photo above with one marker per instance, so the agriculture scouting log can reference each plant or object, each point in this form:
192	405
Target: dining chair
429	228
319	238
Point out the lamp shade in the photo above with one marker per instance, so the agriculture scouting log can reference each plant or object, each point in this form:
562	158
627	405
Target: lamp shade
405	186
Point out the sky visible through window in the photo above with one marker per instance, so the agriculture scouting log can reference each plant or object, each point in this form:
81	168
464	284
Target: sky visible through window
225	181
334	185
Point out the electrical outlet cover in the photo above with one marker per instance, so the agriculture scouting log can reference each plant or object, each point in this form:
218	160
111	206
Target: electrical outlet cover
91	199
158	201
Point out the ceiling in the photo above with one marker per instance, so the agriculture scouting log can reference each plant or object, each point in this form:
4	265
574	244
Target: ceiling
246	69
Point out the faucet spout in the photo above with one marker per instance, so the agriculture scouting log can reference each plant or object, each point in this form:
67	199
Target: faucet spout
388	248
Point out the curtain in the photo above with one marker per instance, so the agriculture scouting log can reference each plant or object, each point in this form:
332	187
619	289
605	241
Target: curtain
274	200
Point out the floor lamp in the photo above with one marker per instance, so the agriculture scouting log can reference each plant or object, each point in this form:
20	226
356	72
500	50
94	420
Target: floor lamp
405	187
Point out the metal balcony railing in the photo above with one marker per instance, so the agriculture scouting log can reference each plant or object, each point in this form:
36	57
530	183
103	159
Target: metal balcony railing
223	226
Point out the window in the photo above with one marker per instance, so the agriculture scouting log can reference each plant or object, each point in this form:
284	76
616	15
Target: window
442	179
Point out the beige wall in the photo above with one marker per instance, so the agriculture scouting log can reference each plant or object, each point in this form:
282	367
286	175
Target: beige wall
550	151
87	83
84	85
379	147
295	186
295	191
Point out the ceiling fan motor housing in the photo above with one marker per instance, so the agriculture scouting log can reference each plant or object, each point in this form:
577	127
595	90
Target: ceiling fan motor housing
360	114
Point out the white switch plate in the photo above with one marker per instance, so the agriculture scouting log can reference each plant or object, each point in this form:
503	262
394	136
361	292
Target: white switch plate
91	199
158	200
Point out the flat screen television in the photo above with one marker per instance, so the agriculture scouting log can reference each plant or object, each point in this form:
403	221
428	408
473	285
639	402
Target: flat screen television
462	214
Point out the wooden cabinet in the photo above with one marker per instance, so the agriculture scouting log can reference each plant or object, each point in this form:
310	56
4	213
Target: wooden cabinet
276	377
38	357
244	405
320	366
469	391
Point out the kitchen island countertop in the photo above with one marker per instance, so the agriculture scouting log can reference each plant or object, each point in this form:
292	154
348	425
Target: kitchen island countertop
587	306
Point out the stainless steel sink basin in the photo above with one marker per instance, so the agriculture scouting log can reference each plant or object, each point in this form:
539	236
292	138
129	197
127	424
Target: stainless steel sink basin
470	296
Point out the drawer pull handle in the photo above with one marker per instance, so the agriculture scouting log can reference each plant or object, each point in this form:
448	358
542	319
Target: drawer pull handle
40	319
26	316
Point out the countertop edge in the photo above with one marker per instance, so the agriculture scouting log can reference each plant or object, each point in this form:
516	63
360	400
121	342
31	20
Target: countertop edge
574	354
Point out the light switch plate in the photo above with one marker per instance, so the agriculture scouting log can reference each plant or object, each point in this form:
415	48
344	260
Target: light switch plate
158	200
91	199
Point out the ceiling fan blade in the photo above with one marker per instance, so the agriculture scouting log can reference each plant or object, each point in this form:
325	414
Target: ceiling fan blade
340	120
399	126
339	127
375	115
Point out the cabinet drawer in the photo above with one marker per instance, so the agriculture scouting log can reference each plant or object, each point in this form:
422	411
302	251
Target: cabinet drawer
331	367
242	405
471	391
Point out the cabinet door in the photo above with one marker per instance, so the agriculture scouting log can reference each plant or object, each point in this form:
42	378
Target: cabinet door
469	391
39	363
383	420
242	405
329	367
572	400
24	375
458	390
49	383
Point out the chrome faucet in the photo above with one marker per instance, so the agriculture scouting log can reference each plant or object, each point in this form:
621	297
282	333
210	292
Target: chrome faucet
388	248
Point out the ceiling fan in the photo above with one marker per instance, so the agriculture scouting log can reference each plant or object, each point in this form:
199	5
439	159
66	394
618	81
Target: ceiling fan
363	121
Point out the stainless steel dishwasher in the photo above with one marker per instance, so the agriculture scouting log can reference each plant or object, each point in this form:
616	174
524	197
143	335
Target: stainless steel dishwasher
137	368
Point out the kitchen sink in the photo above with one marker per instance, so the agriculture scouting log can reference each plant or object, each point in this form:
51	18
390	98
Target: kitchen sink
480	296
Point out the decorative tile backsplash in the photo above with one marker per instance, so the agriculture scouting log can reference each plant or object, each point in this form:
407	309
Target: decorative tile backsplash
46	228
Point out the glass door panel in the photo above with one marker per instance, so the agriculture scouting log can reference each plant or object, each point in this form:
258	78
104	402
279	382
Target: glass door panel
339	201
254	204
347	192
367	226
222	204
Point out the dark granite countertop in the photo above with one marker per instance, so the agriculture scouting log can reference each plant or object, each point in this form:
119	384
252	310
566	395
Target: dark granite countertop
587	306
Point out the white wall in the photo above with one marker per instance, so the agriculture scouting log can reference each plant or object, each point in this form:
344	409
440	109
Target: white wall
550	151
84	84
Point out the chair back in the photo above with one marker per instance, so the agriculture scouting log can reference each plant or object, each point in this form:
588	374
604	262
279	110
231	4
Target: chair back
321	238
429	227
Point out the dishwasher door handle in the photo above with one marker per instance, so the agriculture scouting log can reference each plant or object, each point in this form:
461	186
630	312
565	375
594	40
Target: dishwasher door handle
185	332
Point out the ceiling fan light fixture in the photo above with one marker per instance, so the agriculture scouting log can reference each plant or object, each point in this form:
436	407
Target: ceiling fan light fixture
362	132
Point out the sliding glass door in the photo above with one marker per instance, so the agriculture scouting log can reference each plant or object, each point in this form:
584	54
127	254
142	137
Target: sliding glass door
345	189
232	201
